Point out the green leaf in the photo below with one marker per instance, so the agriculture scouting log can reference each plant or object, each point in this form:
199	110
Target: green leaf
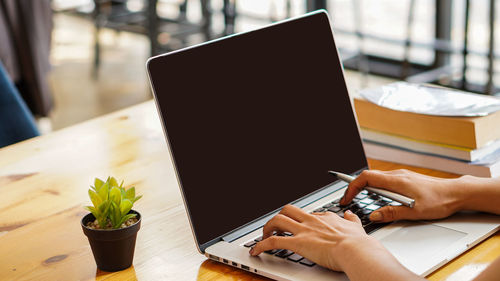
130	193
104	191
96	200
125	218
115	195
136	198
92	210
115	215
112	182
125	206
98	183
103	214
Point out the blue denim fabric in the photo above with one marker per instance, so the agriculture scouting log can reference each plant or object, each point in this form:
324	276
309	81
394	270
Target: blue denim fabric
16	120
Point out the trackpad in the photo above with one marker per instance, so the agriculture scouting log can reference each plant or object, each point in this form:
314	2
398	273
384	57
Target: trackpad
414	243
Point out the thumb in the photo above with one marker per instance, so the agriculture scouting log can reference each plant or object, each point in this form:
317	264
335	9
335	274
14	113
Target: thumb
350	216
392	213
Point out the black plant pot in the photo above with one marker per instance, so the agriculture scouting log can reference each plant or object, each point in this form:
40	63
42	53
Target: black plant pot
113	249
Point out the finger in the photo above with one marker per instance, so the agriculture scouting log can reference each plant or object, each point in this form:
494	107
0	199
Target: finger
294	212
392	213
280	223
374	178
274	242
350	216
365	178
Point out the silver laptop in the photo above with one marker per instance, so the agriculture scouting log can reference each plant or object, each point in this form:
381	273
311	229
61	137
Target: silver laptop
253	122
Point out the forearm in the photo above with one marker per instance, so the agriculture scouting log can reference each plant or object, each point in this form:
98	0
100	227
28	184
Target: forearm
477	194
369	260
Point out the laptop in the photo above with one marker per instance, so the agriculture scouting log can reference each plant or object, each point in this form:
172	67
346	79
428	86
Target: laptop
253	122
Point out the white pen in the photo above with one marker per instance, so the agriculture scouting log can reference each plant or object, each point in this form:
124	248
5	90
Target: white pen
386	193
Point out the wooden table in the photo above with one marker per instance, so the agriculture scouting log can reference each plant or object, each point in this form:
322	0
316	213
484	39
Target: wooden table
43	187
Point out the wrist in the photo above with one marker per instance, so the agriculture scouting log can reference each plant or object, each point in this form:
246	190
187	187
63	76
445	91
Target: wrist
355	249
365	258
477	194
458	192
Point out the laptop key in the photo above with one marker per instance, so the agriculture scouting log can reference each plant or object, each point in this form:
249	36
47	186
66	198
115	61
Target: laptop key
365	221
355	207
363	212
284	253
360	196
373	226
372	207
295	257
328	205
381	203
366	201
250	244
334	209
272	252
258	239
307	262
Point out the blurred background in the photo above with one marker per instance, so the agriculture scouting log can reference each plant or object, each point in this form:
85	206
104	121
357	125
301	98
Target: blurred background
73	60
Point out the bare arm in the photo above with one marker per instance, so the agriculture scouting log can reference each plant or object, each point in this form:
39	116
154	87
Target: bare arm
479	194
342	244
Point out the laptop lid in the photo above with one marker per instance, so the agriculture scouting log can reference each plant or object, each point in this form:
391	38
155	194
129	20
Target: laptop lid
254	121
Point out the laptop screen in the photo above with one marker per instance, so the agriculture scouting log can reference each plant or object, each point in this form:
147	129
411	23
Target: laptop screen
255	121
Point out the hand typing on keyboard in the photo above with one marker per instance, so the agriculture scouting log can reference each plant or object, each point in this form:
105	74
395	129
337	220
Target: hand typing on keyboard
324	238
434	197
334	236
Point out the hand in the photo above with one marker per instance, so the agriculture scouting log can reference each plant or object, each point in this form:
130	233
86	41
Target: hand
324	238
434	197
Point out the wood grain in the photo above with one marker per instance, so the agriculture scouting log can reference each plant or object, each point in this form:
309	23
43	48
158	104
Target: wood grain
43	187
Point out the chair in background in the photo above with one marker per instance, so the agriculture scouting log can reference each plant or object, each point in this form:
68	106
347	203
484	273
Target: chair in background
119	15
16	121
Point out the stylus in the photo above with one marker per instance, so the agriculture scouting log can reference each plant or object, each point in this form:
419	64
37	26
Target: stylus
386	193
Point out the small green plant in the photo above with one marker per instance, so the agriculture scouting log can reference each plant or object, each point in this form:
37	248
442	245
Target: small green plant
111	202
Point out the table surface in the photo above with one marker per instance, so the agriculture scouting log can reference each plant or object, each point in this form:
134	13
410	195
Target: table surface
43	187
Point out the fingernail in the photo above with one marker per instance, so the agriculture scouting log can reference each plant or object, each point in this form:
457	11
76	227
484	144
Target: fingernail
349	212
252	251
376	216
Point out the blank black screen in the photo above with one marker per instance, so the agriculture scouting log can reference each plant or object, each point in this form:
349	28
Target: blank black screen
255	121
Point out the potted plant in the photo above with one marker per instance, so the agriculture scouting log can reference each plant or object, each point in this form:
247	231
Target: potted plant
112	225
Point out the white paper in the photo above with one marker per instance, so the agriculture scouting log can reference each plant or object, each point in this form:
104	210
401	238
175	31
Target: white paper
431	100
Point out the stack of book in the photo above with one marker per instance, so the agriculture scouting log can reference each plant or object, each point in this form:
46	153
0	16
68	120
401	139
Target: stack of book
461	145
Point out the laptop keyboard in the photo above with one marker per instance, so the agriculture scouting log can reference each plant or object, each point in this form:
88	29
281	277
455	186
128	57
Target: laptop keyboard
362	205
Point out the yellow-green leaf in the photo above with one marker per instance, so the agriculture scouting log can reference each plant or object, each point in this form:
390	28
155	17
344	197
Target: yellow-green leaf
103	192
96	200
115	195
130	193
136	198
113	182
98	183
125	206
